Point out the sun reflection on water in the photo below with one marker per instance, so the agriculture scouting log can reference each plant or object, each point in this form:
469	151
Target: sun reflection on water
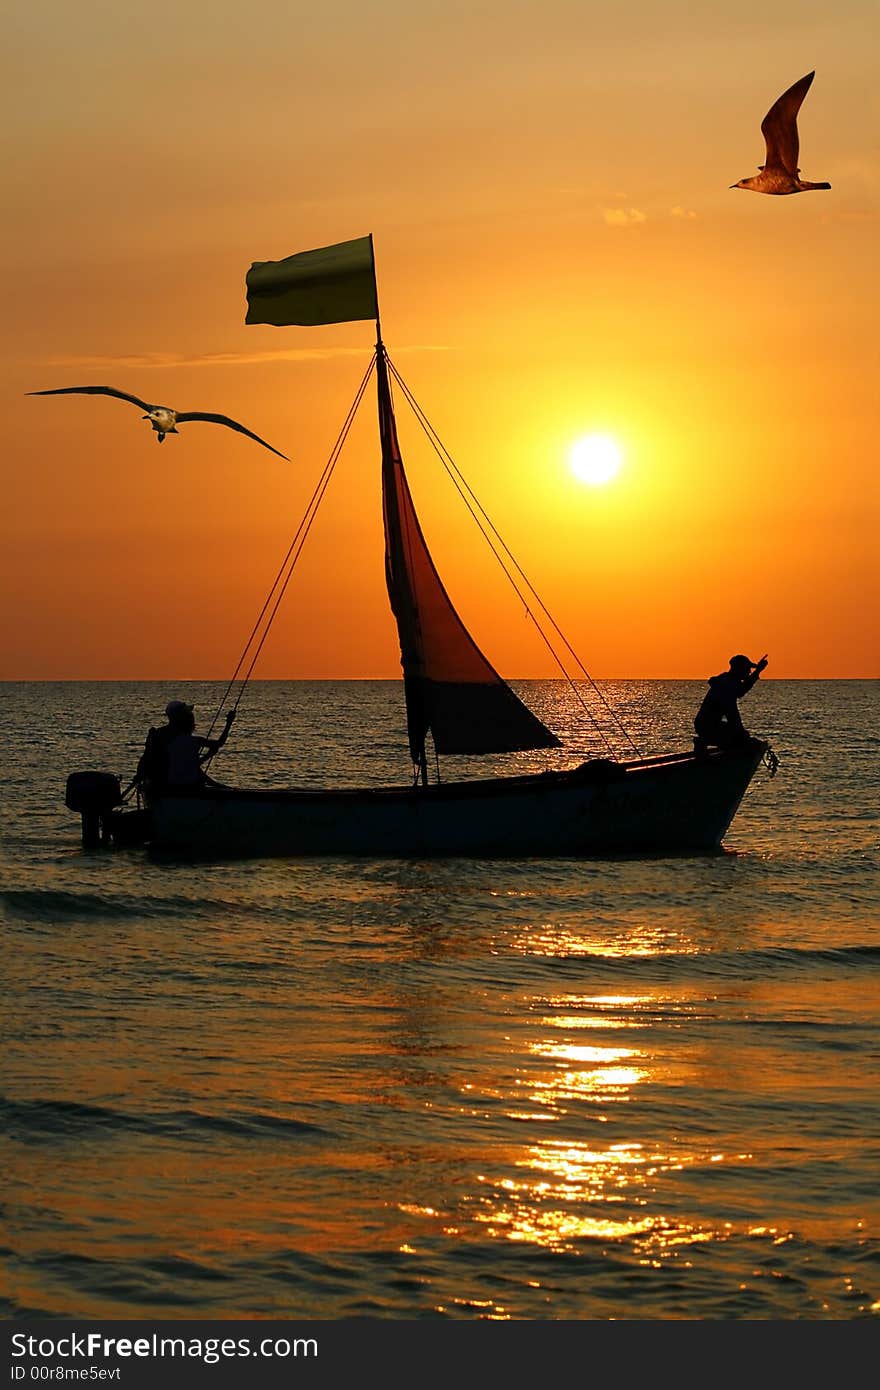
595	1021
567	1065
597	1010
570	1193
603	1083
556	1193
602	1076
552	939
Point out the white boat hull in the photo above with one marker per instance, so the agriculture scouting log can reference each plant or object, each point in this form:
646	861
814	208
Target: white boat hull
673	805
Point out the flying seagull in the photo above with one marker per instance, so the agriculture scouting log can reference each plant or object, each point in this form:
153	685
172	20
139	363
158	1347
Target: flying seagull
780	173
163	419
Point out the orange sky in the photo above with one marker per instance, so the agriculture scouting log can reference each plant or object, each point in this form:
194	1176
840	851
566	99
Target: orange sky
558	252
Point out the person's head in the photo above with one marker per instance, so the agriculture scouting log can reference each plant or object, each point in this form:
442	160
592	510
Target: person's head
740	665
180	716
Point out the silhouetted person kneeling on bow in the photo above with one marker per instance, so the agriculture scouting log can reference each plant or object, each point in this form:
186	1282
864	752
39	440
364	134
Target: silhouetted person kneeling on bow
718	723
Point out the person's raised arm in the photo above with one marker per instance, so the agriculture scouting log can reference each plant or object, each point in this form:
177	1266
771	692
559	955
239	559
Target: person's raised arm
750	679
213	745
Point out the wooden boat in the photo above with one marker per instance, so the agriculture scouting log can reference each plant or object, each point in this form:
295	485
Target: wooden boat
675	803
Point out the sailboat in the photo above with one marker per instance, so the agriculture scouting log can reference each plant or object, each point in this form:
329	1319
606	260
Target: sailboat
675	803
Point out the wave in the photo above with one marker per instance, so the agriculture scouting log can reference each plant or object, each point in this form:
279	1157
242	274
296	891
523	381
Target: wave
41	1121
50	904
53	905
747	964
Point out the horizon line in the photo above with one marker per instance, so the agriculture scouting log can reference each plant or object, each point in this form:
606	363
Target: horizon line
312	680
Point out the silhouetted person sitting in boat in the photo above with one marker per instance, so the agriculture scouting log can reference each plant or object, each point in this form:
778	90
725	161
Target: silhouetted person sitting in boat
718	723
173	755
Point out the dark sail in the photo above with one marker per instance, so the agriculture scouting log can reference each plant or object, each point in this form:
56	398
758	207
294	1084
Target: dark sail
450	687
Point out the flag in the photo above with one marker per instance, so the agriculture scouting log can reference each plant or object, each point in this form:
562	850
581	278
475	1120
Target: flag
333	284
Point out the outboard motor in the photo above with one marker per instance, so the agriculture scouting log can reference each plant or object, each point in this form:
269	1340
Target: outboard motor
93	795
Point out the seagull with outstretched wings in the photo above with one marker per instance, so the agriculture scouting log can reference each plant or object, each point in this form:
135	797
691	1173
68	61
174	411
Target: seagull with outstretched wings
779	173
162	418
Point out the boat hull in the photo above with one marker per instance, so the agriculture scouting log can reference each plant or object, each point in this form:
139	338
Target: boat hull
676	804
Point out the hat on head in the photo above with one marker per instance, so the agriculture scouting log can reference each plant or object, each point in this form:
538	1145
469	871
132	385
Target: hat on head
174	708
742	661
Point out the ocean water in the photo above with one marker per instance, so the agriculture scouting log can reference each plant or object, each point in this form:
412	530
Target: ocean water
462	1089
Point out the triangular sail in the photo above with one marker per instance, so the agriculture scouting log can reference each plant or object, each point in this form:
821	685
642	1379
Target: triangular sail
450	687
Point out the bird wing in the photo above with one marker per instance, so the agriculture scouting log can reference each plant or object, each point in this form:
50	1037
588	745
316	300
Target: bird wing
233	425
92	391
779	128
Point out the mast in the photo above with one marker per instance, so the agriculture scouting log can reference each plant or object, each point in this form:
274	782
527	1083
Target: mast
416	725
379	344
398	566
450	687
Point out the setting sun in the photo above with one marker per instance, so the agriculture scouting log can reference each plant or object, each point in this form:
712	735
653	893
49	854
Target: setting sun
595	459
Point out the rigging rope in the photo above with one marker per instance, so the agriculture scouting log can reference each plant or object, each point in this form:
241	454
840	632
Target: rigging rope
469	497
288	564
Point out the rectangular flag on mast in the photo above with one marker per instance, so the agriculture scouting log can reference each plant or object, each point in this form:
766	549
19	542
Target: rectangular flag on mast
333	284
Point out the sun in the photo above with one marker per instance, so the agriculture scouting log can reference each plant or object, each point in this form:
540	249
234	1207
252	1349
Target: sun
595	459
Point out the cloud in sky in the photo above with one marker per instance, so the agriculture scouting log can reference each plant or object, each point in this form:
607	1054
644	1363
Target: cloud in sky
624	217
635	217
222	359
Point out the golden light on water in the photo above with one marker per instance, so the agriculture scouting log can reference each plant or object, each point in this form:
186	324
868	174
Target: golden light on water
595	459
558	1229
603	1022
554	939
599	1083
565	1192
559	1193
574	1052
555	1193
600	1071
